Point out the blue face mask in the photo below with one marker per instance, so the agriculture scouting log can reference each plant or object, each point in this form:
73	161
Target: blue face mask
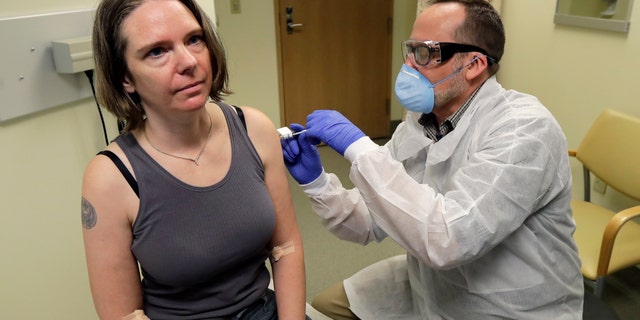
415	91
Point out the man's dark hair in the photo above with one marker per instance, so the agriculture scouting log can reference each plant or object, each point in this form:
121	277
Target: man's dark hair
482	27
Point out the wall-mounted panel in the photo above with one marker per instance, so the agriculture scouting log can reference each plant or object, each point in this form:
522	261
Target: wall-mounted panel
611	15
28	78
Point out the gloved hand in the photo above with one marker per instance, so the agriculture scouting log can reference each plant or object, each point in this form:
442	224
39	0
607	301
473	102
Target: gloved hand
301	156
333	129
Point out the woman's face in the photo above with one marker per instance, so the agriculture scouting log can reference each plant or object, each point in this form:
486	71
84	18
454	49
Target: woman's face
168	61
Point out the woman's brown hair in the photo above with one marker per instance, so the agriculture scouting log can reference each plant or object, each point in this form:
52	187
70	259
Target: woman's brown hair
111	67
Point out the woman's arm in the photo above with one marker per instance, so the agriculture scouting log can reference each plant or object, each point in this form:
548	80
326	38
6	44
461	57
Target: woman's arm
108	205
288	271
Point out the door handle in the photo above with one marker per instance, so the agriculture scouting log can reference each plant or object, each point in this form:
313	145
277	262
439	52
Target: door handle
290	24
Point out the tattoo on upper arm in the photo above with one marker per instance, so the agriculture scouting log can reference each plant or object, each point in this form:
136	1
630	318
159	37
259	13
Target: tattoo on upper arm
89	216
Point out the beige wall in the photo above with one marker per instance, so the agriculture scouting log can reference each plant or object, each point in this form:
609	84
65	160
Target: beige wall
43	272
249	39
575	72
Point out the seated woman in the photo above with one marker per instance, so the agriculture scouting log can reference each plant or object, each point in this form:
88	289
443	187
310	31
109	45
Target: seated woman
199	194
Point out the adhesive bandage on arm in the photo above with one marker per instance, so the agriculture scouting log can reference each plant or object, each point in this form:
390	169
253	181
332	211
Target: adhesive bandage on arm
136	315
282	250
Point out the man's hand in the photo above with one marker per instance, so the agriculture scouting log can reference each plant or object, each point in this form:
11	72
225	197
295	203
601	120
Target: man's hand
301	156
333	128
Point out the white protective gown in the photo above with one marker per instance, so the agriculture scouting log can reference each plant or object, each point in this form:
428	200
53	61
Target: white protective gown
483	214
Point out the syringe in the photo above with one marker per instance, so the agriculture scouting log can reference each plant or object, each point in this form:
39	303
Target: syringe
287	133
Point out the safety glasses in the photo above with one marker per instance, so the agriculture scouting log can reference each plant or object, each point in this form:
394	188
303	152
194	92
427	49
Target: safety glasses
426	53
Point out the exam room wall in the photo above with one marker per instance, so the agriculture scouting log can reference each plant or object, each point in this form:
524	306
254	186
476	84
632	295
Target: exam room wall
576	72
42	268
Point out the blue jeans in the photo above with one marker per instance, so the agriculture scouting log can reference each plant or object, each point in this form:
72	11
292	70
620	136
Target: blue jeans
264	309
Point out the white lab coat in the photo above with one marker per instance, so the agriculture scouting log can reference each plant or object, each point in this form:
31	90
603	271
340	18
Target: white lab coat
483	214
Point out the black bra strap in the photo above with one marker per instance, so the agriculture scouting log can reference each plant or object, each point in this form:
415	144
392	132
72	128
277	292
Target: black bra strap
241	115
123	169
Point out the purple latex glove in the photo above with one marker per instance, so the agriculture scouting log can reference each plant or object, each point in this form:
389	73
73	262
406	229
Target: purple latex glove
301	156
332	128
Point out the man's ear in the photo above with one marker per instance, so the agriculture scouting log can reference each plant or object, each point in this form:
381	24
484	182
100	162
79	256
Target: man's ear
128	85
477	67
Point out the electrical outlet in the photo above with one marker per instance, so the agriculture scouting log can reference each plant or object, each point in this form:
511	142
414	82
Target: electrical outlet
599	186
235	6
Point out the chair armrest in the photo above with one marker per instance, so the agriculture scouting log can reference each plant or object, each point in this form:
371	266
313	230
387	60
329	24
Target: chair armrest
609	236
572	152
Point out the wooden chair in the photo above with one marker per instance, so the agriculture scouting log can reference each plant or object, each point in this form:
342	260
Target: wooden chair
608	241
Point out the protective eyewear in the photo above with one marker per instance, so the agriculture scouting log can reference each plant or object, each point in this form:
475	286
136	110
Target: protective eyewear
426	53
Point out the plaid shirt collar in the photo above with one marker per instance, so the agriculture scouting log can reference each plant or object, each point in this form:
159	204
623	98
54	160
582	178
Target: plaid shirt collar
436	132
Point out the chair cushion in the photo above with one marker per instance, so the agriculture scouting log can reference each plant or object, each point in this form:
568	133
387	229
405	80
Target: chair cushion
591	221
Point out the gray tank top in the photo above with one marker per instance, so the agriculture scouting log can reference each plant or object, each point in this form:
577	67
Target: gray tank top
202	250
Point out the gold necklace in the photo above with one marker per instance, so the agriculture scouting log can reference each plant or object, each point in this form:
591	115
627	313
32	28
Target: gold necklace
194	160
